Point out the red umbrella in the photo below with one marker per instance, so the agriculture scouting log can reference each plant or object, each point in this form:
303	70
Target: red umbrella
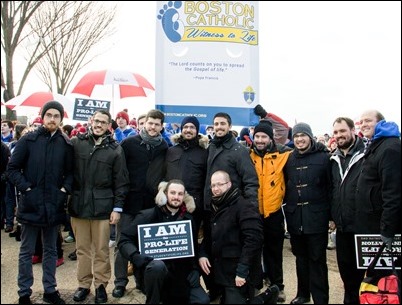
36	100
130	84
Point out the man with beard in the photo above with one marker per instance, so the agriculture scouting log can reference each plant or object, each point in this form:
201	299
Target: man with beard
41	168
269	160
170	281
346	167
307	211
100	187
187	161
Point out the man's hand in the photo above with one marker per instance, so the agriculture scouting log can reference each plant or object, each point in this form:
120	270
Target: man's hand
114	218
387	241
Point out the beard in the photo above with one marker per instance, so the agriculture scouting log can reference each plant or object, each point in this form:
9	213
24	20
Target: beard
346	144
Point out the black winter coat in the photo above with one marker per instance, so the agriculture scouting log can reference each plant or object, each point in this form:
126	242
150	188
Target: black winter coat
233	158
43	163
187	161
307	197
100	177
344	186
378	194
234	237
146	169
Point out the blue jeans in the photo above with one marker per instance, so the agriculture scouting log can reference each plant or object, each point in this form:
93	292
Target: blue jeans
29	234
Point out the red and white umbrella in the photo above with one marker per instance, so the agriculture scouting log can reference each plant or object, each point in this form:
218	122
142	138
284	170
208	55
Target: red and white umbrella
129	84
37	100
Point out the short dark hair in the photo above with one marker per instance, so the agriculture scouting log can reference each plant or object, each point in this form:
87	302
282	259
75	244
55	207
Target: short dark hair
155	114
348	121
224	115
101	111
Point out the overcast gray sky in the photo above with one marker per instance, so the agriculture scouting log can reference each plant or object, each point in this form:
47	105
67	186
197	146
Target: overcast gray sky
318	60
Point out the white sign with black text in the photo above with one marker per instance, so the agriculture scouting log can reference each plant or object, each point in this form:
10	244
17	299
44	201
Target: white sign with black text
166	240
367	246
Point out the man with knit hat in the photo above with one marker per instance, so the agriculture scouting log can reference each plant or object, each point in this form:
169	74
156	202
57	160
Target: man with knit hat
187	160
41	168
123	130
269	159
307	211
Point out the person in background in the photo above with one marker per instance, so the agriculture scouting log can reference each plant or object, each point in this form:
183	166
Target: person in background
378	190
41	168
100	187
5	156
346	163
37	122
166	281
269	159
145	158
67	129
307	209
7	128
232	246
141	121
332	145
210	132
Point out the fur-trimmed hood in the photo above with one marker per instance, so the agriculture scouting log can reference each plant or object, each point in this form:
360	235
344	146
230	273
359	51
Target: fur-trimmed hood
202	139
161	198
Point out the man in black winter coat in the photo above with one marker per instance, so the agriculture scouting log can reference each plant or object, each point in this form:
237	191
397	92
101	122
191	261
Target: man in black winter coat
41	168
307	210
233	241
170	281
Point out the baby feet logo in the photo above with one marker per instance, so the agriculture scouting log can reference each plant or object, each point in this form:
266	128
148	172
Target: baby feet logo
249	95
171	23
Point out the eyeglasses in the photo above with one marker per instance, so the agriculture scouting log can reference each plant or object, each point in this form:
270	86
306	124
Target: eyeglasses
97	122
218	185
54	116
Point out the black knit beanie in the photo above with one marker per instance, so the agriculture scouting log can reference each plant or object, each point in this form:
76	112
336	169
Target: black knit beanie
191	119
302	128
53	105
265	127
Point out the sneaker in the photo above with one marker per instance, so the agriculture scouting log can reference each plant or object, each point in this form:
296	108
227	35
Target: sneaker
73	255
8	229
36	259
69	239
53	298
59	262
281	296
112	243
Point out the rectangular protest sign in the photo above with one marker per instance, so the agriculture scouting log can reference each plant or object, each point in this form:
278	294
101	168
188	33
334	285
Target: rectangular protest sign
367	246
166	240
85	108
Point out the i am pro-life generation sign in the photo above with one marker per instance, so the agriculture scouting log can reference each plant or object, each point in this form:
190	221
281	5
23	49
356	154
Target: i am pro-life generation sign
166	240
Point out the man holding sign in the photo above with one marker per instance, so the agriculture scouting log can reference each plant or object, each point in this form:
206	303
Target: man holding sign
169	280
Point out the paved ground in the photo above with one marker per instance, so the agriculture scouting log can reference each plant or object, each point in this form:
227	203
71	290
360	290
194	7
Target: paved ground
67	283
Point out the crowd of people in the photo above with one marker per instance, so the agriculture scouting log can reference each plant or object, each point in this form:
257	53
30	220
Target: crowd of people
243	195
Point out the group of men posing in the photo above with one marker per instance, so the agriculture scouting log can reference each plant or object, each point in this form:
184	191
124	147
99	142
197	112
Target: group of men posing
237	197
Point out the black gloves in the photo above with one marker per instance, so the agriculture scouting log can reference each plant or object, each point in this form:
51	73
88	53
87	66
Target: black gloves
260	111
194	279
139	261
114	125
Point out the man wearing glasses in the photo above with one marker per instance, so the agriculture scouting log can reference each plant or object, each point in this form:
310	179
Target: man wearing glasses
100	187
232	244
41	168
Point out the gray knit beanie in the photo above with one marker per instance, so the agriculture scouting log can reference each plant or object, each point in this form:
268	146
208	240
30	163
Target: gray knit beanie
302	128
